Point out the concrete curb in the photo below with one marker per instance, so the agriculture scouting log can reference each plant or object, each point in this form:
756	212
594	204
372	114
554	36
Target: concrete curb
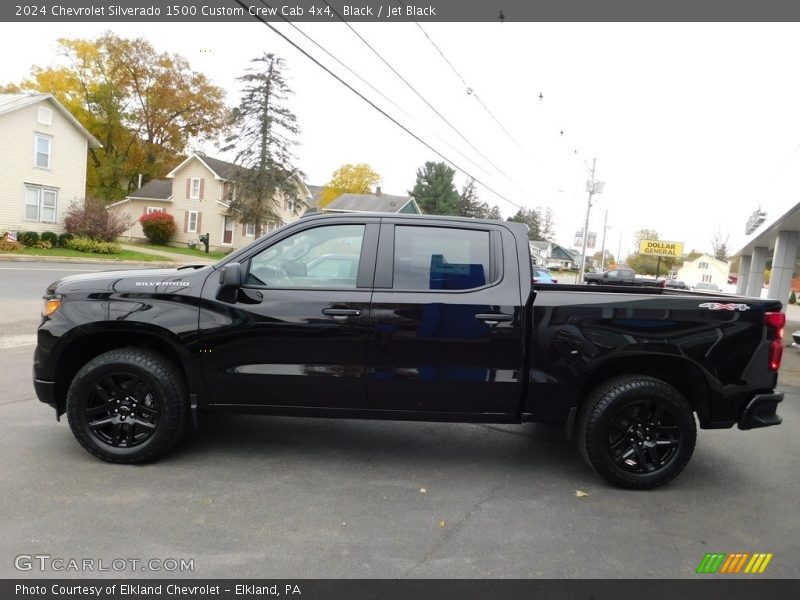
87	261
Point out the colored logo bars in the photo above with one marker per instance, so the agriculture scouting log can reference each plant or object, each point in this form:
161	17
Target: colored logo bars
719	562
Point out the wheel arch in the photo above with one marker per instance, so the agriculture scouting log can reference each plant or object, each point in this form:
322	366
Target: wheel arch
681	373
98	340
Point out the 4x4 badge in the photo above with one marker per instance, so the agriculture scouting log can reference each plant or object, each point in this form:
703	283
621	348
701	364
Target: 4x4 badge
720	306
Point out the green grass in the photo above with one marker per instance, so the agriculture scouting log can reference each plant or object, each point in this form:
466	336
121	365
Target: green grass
68	252
185	251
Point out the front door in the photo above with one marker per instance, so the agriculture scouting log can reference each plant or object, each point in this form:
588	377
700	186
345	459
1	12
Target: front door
295	334
447	320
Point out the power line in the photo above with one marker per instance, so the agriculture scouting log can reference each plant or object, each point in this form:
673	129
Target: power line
425	100
380	93
375	106
469	89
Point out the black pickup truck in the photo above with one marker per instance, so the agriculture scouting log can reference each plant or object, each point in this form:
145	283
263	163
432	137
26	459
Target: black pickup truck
404	317
622	277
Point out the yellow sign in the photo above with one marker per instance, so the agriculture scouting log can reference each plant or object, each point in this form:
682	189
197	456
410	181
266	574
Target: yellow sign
660	248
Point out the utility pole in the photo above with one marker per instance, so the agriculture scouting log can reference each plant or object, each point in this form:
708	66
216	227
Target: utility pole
603	251
593	187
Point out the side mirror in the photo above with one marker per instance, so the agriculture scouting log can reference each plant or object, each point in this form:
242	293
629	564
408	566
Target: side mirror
231	276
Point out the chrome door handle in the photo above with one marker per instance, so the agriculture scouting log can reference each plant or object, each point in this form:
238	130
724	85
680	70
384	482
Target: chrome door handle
340	314
493	318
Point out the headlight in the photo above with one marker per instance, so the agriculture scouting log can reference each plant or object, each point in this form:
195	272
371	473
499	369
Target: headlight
51	304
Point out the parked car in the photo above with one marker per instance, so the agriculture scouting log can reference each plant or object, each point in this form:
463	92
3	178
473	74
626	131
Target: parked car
543	276
626	277
706	287
441	323
676	284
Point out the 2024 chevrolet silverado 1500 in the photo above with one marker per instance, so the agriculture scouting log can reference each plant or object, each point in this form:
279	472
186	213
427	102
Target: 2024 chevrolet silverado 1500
404	317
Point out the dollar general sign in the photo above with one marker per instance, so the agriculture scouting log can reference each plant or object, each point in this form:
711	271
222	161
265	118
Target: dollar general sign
660	248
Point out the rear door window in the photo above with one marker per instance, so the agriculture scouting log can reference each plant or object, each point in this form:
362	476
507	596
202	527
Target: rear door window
442	258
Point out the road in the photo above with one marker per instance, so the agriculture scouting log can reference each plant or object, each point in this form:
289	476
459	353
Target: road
316	498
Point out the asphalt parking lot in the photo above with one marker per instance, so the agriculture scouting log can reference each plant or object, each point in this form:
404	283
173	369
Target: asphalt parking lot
316	498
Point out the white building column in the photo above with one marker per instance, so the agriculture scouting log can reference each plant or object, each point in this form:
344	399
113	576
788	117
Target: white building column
744	273
783	265
755	281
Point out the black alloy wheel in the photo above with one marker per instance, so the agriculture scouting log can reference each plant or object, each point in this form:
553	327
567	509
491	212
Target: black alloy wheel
127	405
122	410
637	431
643	437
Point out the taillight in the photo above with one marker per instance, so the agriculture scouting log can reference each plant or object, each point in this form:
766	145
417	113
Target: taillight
775	321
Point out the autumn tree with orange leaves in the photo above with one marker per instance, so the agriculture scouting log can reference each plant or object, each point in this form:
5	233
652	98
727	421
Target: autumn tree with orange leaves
145	107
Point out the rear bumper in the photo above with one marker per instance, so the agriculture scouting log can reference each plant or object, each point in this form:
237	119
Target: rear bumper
761	411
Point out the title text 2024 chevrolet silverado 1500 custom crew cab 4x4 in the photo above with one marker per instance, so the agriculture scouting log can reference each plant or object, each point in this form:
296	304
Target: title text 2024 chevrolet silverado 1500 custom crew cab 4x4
404	317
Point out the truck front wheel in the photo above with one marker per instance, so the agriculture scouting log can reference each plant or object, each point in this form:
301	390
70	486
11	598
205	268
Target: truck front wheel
127	405
636	431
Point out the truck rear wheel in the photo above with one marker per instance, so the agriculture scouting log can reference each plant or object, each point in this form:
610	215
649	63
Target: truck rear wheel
127	405
636	431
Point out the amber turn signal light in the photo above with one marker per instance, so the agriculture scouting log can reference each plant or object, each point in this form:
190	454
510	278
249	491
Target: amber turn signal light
50	306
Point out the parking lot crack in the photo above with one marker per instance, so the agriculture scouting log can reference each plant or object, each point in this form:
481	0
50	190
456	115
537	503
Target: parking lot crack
448	532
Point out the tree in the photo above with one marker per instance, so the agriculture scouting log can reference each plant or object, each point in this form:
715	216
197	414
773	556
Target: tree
547	224
531	217
349	179
143	105
494	213
469	205
644	234
434	190
262	131
719	245
598	258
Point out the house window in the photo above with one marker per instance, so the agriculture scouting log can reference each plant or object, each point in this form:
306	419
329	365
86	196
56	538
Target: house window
288	205
230	195
195	189
155	209
250	230
706	278
702	265
43	147
45	115
191	225
40	204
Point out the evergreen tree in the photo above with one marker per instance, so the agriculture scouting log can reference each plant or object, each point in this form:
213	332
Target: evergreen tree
494	213
434	190
262	131
531	217
469	205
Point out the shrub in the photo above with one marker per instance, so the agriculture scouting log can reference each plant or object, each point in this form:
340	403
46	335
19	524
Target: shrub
44	244
792	298
7	245
84	244
158	226
49	236
63	238
28	238
93	220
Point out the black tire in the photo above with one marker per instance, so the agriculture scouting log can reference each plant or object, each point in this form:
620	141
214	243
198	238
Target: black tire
127	405
638	432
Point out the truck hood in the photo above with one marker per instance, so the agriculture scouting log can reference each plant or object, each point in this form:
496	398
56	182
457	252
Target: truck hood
140	280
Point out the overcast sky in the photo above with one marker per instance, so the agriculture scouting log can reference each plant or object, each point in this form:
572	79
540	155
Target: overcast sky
693	125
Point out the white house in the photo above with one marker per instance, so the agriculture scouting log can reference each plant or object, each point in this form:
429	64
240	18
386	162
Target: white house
705	269
42	162
197	194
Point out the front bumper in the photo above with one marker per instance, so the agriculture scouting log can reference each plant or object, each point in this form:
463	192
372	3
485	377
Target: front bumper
45	391
761	411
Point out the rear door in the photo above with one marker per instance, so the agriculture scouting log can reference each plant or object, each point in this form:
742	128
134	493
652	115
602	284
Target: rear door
446	319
